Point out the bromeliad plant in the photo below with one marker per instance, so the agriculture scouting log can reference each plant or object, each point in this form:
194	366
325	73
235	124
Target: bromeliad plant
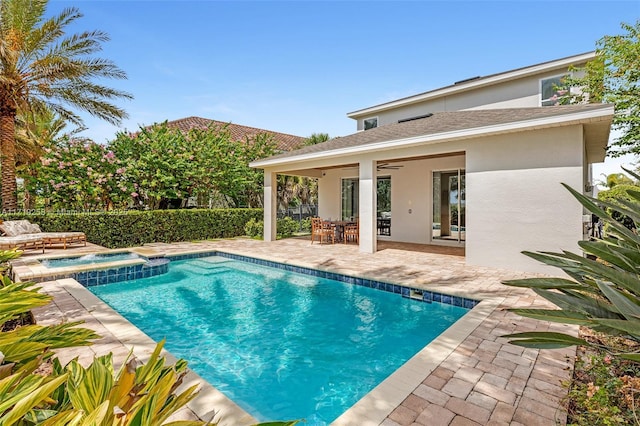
603	292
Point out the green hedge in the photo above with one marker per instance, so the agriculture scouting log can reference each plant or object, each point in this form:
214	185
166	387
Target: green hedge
134	228
286	227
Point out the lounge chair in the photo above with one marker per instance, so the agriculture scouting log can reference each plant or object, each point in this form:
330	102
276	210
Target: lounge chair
22	242
24	228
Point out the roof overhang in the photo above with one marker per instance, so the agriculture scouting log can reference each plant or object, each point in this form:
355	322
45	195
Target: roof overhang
597	123
563	63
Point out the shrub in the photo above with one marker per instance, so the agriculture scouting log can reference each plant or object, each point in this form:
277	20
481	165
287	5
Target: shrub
134	228
305	225
254	228
286	227
605	391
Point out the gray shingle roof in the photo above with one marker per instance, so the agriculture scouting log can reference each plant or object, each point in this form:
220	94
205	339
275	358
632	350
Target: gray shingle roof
441	122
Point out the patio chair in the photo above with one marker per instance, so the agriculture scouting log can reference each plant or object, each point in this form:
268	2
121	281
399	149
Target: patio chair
322	230
24	228
352	232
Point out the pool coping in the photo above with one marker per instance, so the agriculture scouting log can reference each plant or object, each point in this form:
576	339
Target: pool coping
371	409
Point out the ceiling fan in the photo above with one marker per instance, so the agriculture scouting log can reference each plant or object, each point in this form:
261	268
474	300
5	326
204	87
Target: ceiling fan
380	166
388	166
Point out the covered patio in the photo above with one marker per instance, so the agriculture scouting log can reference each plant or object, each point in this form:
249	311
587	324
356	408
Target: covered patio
486	180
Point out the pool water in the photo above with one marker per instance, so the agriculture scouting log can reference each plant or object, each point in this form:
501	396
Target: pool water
88	259
281	345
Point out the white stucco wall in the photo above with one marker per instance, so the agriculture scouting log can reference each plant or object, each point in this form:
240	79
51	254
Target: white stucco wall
519	93
515	201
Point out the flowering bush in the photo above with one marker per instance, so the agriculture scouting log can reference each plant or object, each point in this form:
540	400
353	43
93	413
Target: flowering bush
151	169
169	164
81	176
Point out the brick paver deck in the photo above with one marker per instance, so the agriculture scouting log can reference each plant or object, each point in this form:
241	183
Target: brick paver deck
482	381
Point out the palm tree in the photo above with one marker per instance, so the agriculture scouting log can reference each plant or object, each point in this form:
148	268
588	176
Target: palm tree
41	68
316	138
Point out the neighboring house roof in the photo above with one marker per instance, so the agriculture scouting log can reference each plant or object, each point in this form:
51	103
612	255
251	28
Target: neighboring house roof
477	82
285	142
455	125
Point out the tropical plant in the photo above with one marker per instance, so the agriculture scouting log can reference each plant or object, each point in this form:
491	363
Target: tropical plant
316	138
613	179
613	78
29	343
615	195
43	69
603	288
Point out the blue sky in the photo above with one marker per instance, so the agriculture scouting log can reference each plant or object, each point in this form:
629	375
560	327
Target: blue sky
299	66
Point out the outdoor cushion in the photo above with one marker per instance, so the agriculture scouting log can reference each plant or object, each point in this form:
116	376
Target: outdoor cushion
12	228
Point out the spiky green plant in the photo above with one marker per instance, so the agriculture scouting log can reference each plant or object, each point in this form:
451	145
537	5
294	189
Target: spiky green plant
602	290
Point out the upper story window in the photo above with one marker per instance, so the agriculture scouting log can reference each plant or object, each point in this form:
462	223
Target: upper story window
552	90
370	123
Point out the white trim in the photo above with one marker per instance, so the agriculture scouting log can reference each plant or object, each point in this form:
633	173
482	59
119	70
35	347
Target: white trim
538	123
485	81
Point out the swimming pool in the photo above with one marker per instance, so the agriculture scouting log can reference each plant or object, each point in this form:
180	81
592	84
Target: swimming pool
88	259
281	345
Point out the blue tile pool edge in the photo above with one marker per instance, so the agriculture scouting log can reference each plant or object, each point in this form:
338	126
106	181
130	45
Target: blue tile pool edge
413	293
160	265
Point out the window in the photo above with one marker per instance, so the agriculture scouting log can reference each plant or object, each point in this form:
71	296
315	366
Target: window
552	90
370	123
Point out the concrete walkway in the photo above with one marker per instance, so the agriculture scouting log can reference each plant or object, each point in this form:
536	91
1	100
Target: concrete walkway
480	380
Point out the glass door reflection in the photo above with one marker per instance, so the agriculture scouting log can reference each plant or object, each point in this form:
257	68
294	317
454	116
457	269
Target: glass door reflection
448	206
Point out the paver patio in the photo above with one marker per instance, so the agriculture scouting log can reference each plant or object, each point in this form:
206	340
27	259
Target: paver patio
482	380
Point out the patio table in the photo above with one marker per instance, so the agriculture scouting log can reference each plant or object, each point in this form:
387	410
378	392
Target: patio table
339	227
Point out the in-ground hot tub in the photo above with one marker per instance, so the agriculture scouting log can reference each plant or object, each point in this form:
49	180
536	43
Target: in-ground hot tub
89	259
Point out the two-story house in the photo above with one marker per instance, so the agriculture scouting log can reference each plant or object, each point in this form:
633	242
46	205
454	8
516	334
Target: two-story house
477	164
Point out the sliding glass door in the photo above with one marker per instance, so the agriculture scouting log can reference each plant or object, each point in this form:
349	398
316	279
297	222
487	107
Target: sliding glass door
448	206
349	205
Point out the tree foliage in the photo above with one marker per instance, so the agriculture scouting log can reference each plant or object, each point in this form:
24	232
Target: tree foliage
166	163
614	77
42	68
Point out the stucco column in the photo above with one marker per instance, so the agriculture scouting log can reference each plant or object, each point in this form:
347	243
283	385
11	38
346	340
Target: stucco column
367	206
270	205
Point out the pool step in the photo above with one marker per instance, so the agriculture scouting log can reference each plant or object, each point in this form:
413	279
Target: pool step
208	271
203	264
